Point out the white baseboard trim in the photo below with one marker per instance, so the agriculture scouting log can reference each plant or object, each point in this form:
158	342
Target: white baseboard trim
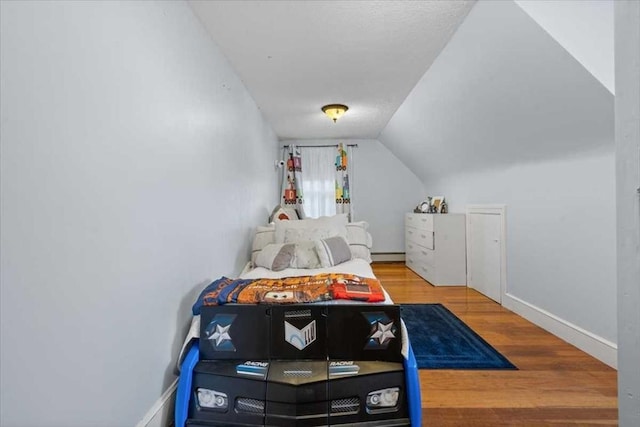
598	347
161	413
388	257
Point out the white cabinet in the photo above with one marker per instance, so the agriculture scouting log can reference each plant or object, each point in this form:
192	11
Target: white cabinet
435	247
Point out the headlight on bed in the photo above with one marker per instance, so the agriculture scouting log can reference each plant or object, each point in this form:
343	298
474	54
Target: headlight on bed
385	400
212	399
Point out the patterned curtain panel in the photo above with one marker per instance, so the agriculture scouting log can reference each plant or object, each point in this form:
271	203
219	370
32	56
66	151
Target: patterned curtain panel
292	196
343	188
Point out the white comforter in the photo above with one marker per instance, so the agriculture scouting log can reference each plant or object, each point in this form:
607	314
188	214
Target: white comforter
356	266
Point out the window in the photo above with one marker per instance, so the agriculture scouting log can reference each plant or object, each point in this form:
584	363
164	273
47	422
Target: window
316	180
318	185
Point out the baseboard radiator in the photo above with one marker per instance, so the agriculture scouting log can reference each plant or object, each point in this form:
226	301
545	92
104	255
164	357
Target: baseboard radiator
388	257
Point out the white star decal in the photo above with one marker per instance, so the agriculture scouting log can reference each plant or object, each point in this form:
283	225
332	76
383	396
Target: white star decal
221	334
383	333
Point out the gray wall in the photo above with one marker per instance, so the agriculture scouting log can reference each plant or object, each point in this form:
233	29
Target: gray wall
134	167
506	115
584	28
627	16
560	237
384	190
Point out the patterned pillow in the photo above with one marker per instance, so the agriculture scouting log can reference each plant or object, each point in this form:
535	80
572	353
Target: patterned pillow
282	214
305	255
338	222
295	235
333	251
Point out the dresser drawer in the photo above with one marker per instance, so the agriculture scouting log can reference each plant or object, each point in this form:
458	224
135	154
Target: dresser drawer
419	237
411	260
443	264
410	247
419	221
419	251
425	256
424	271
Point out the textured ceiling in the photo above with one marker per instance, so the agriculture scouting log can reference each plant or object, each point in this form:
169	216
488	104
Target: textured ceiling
296	56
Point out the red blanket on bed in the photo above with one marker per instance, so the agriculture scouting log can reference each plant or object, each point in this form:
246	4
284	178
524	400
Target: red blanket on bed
321	287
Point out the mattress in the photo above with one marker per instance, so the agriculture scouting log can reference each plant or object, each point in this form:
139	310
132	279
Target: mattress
356	266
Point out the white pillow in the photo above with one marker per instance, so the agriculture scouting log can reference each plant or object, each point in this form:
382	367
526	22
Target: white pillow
361	252
357	233
263	237
337	222
359	240
295	235
278	256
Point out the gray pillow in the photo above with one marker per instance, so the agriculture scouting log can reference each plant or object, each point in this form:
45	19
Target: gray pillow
276	256
333	251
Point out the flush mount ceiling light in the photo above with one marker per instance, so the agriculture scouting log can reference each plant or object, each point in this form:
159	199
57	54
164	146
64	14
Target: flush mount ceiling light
335	111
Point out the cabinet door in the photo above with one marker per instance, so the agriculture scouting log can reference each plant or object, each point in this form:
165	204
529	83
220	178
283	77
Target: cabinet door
484	254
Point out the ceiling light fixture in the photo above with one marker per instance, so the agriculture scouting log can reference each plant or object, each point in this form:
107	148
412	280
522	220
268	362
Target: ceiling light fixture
335	111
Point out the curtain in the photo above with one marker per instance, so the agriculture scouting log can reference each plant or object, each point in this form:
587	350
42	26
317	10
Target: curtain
318	184
292	182
343	188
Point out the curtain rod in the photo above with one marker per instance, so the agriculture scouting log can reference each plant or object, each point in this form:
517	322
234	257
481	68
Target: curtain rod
320	146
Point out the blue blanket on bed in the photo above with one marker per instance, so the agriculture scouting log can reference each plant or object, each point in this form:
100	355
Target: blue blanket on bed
221	288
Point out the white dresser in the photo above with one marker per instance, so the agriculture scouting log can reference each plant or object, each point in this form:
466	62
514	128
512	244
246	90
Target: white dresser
435	247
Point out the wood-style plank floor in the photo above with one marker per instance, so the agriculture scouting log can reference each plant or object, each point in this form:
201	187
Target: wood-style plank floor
556	384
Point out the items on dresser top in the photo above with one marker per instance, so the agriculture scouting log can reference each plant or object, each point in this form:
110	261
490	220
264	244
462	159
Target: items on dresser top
432	204
435	248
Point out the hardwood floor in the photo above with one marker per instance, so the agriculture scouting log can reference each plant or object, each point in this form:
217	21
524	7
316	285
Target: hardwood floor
556	384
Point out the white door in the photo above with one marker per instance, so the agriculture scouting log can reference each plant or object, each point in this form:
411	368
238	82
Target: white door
484	249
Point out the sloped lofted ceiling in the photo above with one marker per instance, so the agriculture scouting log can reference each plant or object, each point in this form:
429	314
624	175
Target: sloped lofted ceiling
447	86
296	56
503	92
584	28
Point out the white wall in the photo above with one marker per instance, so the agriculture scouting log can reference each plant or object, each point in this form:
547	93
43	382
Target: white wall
584	28
134	167
506	115
560	233
383	190
627	16
501	91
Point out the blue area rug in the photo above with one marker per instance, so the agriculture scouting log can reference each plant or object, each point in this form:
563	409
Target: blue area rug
442	341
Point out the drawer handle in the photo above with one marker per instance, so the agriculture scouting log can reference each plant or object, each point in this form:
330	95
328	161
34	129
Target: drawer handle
423	253
424	268
409	231
424	236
